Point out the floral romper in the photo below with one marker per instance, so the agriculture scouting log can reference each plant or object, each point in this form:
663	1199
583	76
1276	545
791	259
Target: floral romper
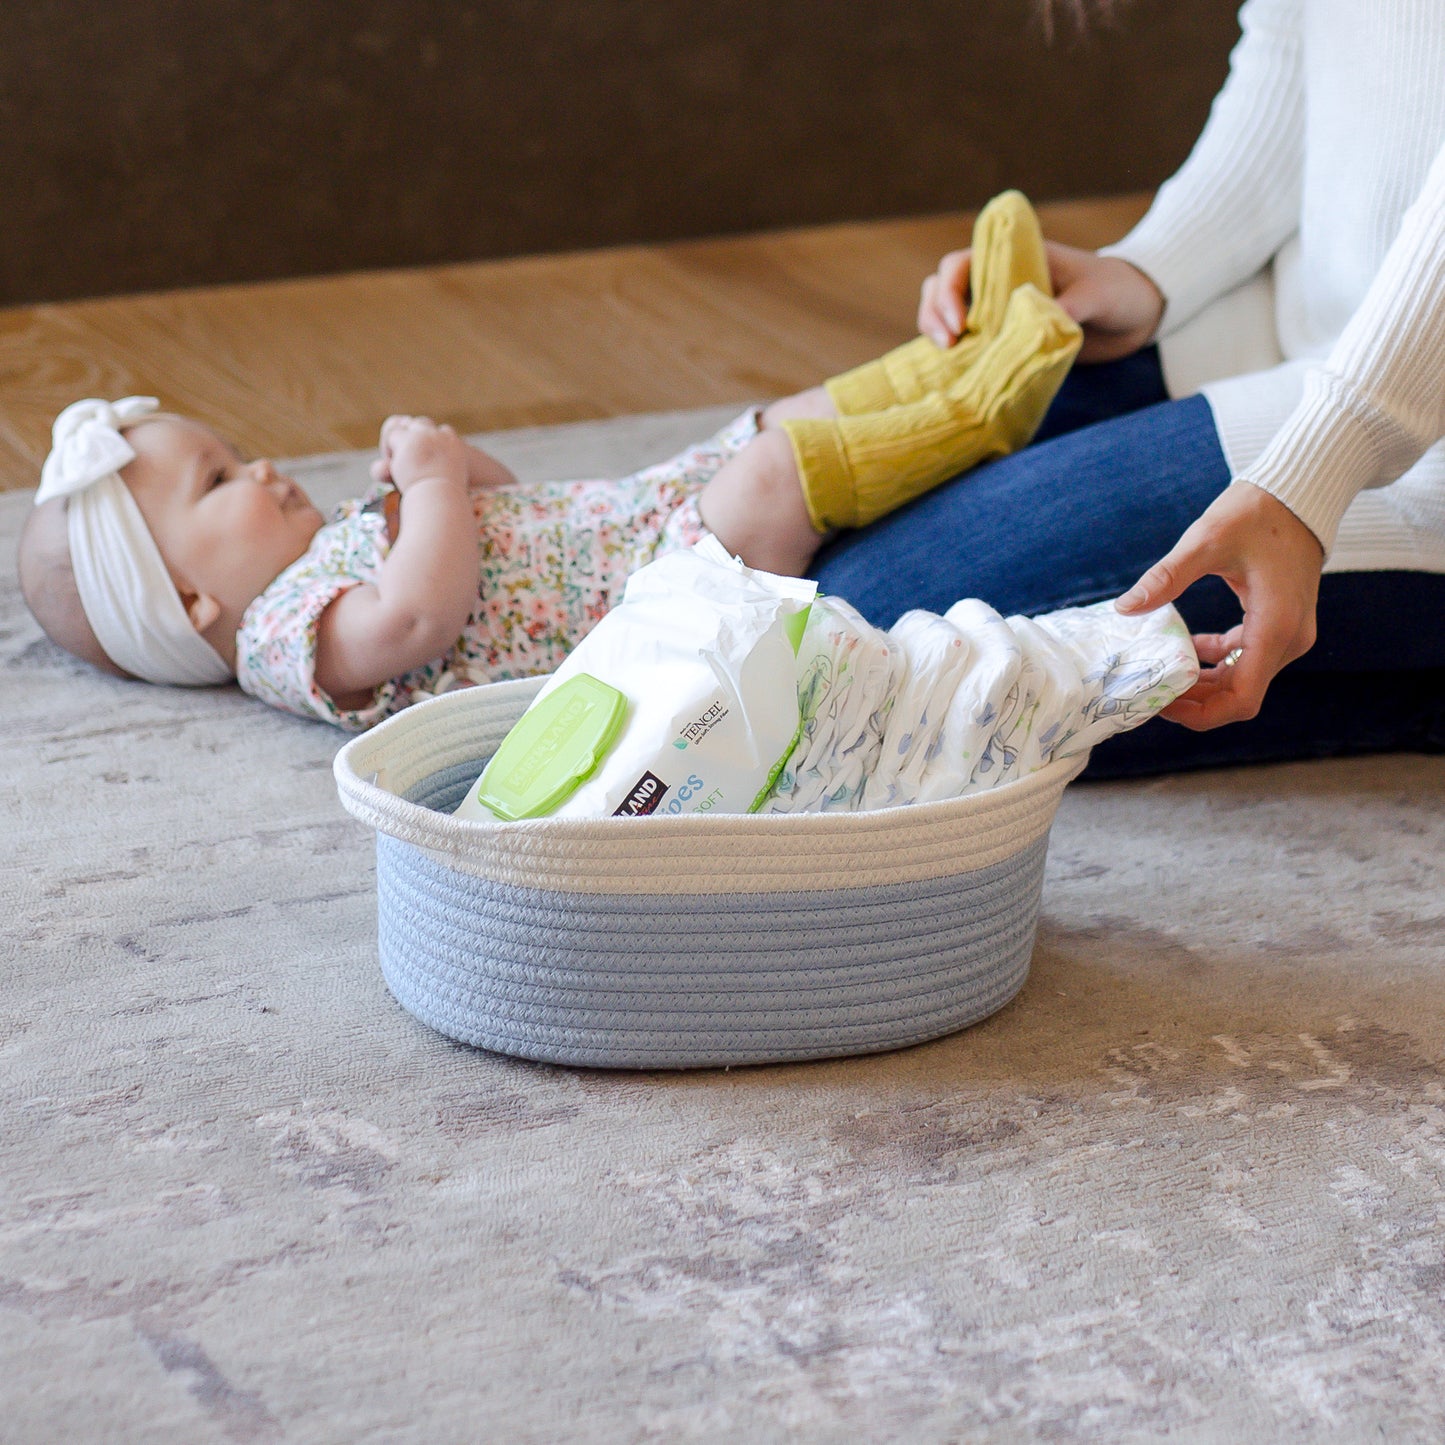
554	557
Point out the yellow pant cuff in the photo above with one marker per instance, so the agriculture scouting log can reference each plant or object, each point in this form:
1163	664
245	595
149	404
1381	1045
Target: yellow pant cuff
823	472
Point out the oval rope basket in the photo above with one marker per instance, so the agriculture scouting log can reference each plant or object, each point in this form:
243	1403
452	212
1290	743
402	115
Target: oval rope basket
682	942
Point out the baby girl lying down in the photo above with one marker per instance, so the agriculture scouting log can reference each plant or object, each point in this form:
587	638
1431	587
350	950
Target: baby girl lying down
155	551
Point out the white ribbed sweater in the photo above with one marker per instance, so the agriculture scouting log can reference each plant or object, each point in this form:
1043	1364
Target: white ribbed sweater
1301	251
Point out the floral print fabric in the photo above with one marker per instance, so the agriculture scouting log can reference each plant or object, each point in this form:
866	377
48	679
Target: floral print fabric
553	559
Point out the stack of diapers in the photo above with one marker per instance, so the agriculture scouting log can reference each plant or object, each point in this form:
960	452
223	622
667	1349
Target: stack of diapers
942	707
883	891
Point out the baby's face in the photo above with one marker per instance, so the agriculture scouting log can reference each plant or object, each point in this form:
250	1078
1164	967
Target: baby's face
227	528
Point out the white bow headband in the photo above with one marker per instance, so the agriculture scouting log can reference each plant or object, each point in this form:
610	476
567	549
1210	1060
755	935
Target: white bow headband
126	592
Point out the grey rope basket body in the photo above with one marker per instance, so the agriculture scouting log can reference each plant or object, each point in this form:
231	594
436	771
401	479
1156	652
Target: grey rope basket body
679	942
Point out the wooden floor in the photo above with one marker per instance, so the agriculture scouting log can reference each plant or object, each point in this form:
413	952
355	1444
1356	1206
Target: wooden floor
304	366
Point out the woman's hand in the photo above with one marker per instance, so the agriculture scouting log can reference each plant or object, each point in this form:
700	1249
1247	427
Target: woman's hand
1271	561
1118	306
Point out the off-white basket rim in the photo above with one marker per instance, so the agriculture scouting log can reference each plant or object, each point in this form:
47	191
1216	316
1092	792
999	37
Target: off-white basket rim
667	853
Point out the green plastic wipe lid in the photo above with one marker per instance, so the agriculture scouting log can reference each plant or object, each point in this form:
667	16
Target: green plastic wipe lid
555	746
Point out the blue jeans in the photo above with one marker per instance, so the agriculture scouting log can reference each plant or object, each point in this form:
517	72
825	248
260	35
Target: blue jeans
1116	473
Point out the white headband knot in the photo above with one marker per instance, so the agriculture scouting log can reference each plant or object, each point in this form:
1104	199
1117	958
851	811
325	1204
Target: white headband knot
125	588
86	444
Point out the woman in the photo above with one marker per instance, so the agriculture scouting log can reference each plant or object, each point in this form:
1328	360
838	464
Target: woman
1267	379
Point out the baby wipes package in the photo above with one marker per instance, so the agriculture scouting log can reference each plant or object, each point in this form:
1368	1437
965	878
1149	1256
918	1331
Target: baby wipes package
683	699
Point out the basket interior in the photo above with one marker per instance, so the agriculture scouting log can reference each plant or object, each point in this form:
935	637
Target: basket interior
443	790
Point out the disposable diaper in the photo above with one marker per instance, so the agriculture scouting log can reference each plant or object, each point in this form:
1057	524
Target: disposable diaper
936	656
984	701
971	700
846	672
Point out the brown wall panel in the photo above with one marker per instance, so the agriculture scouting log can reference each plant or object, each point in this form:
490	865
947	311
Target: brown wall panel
151	143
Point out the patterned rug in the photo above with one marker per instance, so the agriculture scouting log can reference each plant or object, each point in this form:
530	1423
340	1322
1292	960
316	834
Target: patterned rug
1191	1183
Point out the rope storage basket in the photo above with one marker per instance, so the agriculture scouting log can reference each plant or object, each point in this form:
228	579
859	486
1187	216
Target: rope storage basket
679	942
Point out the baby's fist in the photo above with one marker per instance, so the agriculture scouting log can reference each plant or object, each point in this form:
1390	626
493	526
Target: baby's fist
415	448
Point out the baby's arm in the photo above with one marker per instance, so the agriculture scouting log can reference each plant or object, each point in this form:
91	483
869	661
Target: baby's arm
427	586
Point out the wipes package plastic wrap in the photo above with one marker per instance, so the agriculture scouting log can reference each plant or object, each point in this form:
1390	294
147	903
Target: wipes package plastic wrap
683	699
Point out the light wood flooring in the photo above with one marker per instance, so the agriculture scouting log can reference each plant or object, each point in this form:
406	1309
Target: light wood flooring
293	367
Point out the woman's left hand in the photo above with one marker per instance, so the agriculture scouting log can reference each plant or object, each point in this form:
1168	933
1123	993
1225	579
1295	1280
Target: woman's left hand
1117	305
1271	562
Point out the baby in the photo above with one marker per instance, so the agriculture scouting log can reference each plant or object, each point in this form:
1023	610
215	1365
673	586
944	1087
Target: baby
156	552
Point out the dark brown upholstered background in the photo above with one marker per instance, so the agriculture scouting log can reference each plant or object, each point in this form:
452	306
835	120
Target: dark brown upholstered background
159	143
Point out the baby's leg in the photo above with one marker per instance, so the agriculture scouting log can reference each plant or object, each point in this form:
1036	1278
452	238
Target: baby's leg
754	505
775	502
866	442
815	402
1008	252
857	468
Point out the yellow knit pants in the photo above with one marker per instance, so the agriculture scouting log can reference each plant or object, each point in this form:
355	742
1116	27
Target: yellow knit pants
920	414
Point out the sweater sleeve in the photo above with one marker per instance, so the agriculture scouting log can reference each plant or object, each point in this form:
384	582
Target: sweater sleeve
1376	403
1236	200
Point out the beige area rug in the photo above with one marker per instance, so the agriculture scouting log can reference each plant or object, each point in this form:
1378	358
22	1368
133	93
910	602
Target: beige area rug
1191	1183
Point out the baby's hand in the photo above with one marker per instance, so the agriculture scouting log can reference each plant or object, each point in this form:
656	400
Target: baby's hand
483	470
415	448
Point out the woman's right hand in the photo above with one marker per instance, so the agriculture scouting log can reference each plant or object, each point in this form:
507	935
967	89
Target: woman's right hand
1118	306
1271	561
